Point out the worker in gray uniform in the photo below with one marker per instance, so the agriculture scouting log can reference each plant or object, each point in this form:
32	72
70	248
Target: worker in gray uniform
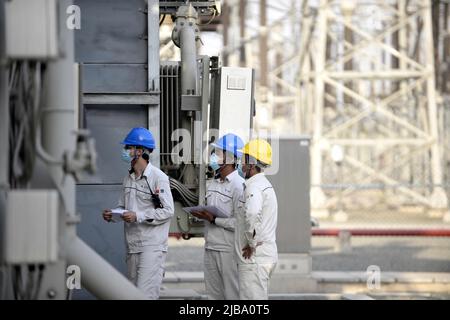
223	192
148	207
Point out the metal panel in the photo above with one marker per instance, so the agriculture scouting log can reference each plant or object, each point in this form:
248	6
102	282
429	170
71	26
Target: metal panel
109	125
112	31
153	66
236	94
205	89
153	45
292	185
105	238
31	235
114	78
121	98
31	31
203	7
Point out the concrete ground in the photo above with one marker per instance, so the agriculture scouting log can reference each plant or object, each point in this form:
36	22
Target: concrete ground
412	268
398	254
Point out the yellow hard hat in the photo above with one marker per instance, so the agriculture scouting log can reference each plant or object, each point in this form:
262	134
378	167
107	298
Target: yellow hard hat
260	150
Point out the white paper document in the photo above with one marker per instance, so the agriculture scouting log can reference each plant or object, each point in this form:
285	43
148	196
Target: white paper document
211	209
117	213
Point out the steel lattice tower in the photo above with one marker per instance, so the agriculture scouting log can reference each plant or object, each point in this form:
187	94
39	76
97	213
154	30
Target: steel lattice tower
359	75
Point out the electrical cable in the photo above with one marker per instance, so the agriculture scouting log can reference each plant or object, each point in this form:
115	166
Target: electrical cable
25	133
25	87
188	197
18	283
210	20
181	194
182	171
15	283
162	19
186	192
41	269
30	282
3	283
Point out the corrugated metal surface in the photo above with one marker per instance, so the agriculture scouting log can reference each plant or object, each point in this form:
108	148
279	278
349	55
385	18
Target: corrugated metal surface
109	125
170	108
112	48
107	239
114	78
112	31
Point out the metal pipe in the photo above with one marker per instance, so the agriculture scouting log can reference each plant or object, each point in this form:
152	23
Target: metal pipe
438	198
57	138
204	130
4	142
317	196
334	232
98	276
242	20
263	47
153	85
376	75
185	35
226	37
59	98
188	61
383	232
4	107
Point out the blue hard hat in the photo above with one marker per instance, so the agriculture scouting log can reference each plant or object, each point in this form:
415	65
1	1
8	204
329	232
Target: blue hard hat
231	143
140	137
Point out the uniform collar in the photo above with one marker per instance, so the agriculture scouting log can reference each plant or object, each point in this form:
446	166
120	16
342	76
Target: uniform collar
146	172
254	178
231	176
228	178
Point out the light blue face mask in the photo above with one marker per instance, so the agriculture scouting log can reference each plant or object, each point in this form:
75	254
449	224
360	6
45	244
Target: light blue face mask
214	162
239	169
126	156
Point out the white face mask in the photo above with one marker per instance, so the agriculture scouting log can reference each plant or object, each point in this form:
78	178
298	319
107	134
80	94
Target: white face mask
126	156
214	162
239	169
